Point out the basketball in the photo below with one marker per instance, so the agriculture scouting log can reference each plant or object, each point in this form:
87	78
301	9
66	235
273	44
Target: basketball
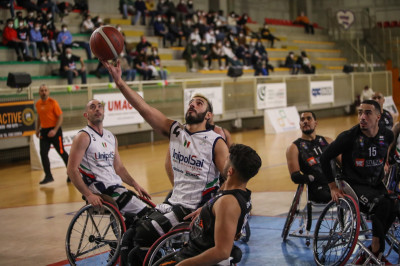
106	43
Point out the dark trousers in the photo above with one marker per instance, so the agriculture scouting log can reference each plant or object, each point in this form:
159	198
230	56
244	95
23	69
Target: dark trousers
45	143
69	74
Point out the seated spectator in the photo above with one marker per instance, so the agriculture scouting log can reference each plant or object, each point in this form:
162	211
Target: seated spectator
141	67
28	5
232	23
171	10
191	54
30	19
143	45
49	5
43	47
210	37
48	37
303	20
155	65
127	70
366	94
161	30
190	8
19	18
205	52
64	40
241	24
195	35
258	64
162	7
242	53
305	63
82	6
181	11
219	35
151	10
126	6
140	8
187	28
218	53
10	39
87	25
23	36
68	68
230	56
291	63
175	30
267	35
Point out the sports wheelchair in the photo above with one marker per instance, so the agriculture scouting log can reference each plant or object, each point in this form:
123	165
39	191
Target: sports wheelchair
94	234
310	211
341	232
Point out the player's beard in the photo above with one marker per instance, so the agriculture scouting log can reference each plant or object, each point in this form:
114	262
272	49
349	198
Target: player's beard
196	119
308	131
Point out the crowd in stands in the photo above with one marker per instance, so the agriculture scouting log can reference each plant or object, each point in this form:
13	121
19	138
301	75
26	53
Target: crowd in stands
207	37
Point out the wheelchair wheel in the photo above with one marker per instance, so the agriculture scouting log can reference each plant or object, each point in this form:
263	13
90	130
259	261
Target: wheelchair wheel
94	236
166	244
393	236
336	232
293	212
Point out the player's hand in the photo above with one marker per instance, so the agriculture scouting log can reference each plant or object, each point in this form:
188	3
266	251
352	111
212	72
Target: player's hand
94	200
336	193
386	168
142	192
114	68
51	133
193	216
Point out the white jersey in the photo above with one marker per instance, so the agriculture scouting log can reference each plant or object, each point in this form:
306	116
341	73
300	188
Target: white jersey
192	159
97	166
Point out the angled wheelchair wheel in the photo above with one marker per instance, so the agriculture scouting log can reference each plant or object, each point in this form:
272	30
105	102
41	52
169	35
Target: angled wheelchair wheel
336	232
393	237
94	236
293	212
169	243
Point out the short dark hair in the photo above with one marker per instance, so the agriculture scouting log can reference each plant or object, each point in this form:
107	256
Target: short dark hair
312	113
209	104
374	103
244	160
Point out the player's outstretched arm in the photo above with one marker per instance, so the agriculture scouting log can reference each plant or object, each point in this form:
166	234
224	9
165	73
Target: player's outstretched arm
157	120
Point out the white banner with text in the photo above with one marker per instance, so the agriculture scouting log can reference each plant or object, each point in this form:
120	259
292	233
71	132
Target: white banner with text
213	94
281	120
271	95
321	92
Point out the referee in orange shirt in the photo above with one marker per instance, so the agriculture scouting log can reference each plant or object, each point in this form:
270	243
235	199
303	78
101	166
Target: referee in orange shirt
48	130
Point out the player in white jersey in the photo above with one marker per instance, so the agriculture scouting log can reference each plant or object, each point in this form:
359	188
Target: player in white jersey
197	154
95	166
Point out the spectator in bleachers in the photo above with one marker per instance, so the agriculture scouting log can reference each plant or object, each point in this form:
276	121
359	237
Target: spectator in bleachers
366	94
221	17
8	4
190	8
143	45
258	64
175	30
49	5
267	35
98	22
155	65
305	63
218	53
290	62
19	18
23	36
10	39
127	70
49	21
210	37
242	24
195	35
232	22
205	52
140	64
64	40
151	10
140	8
27	4
161	30
87	25
219	35
191	55
181	11
48	37
243	53
202	26
82	6
171	10
68	68
162	8
40	18
187	28
303	20
241	39
228	52
35	36
126	6
30	19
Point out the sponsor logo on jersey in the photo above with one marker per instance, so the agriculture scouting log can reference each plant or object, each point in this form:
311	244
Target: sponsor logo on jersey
303	145
375	162
311	161
322	142
177	170
190	174
188	160
104	156
186	144
360	162
361	140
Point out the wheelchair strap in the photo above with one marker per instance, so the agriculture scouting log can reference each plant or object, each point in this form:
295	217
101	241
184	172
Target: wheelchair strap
124	198
161	220
180	212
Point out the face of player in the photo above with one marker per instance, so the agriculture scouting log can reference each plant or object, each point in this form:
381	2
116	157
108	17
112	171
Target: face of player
95	112
307	123
197	111
378	97
368	117
44	92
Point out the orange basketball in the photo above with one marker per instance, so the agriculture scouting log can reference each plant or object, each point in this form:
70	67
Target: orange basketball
106	43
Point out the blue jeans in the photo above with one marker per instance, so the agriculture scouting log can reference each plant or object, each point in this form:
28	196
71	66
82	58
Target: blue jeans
69	74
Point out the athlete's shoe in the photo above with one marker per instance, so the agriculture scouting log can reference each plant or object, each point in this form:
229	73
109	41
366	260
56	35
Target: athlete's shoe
46	179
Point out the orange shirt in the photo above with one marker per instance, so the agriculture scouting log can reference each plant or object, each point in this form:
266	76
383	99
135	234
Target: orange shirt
48	112
303	19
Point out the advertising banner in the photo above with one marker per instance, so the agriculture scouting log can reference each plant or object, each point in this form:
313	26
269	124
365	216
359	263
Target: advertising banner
321	92
117	110
17	119
271	95
281	120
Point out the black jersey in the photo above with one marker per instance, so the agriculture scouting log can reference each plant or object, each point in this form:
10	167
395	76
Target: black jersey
201	235
363	158
386	120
